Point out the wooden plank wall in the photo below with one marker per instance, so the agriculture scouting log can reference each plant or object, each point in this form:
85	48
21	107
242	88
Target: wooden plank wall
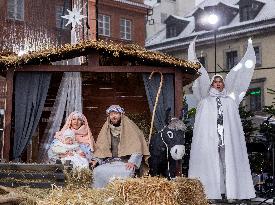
99	91
104	89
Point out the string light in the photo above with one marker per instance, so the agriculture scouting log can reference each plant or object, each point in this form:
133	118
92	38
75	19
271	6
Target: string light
68	51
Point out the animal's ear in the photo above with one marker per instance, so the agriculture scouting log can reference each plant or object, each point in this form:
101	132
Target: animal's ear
167	116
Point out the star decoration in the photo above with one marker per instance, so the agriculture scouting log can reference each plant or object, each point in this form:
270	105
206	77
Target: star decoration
74	17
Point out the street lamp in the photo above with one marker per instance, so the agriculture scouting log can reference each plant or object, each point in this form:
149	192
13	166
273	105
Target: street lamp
213	19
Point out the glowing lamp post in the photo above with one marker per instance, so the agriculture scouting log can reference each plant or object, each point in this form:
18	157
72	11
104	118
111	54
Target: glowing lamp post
213	20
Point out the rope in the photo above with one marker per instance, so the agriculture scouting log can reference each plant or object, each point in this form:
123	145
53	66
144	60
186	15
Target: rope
156	101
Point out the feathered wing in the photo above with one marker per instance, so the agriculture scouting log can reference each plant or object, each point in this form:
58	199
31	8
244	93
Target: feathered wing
238	79
201	84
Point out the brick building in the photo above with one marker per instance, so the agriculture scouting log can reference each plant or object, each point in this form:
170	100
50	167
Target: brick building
122	21
29	25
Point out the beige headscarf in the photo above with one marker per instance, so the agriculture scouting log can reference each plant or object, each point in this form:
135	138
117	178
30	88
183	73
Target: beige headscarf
83	134
131	140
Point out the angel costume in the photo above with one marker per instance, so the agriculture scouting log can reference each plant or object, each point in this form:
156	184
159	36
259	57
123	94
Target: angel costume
60	148
115	146
218	156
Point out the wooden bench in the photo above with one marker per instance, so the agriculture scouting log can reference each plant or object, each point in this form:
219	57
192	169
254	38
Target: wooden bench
32	175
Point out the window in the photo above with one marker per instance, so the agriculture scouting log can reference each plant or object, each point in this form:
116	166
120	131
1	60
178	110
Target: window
202	60
59	21
104	25
231	59
255	99
258	56
16	9
125	29
163	17
171	31
246	13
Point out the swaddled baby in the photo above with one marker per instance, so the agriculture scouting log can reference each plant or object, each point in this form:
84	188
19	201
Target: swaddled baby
66	148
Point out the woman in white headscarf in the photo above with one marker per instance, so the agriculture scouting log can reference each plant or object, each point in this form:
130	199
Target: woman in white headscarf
218	156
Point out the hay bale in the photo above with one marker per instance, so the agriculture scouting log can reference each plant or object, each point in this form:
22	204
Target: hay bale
153	190
78	178
190	191
8	196
146	190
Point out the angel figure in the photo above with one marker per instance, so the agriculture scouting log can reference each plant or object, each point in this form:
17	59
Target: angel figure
218	156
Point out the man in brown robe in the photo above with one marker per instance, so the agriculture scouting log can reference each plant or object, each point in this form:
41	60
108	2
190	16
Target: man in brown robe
119	148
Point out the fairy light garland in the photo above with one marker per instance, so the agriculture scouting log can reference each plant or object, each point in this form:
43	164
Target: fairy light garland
117	50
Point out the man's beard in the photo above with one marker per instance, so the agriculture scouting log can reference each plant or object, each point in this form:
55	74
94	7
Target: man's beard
116	124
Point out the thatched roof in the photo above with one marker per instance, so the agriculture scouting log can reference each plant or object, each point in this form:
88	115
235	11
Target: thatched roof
129	52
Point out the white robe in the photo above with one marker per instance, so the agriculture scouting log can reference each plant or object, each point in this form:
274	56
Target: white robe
204	157
106	172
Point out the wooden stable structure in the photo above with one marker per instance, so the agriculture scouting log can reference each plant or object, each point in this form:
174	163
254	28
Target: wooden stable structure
32	175
101	58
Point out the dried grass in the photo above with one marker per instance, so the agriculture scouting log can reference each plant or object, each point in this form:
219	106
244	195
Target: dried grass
146	190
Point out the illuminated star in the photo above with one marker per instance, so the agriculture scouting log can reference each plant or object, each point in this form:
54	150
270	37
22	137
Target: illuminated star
74	17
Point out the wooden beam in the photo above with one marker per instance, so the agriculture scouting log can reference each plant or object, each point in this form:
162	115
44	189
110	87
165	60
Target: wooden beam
178	92
8	115
178	108
94	68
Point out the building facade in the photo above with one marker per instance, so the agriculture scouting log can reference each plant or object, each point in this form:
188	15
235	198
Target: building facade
121	20
238	21
27	26
161	10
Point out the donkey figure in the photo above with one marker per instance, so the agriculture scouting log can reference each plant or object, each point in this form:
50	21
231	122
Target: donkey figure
166	147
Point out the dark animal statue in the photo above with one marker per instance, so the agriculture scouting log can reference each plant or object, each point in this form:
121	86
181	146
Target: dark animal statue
166	147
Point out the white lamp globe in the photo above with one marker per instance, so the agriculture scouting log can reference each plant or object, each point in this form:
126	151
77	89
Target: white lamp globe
213	19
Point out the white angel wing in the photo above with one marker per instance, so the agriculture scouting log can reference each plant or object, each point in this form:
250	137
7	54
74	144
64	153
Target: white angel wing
238	79
201	84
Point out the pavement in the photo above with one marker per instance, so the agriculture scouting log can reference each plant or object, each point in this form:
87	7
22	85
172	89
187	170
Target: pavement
256	201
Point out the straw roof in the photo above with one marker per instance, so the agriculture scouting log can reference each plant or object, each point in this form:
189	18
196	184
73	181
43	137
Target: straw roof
130	52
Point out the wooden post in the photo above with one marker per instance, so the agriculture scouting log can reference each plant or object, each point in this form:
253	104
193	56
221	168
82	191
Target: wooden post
178	108
178	92
92	19
8	114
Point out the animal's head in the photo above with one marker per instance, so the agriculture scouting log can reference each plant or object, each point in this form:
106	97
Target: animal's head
174	136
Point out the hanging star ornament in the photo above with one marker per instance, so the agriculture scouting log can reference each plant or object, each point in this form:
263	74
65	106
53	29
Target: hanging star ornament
74	17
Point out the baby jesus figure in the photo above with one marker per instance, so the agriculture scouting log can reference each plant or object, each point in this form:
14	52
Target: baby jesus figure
66	148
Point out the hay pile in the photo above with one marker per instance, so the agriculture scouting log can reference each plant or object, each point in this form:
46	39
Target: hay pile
16	196
146	190
153	190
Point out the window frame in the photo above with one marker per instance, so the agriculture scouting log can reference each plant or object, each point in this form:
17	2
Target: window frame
259	46
172	30
163	17
259	61
257	98
256	83
106	31
12	13
226	52
123	29
205	61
